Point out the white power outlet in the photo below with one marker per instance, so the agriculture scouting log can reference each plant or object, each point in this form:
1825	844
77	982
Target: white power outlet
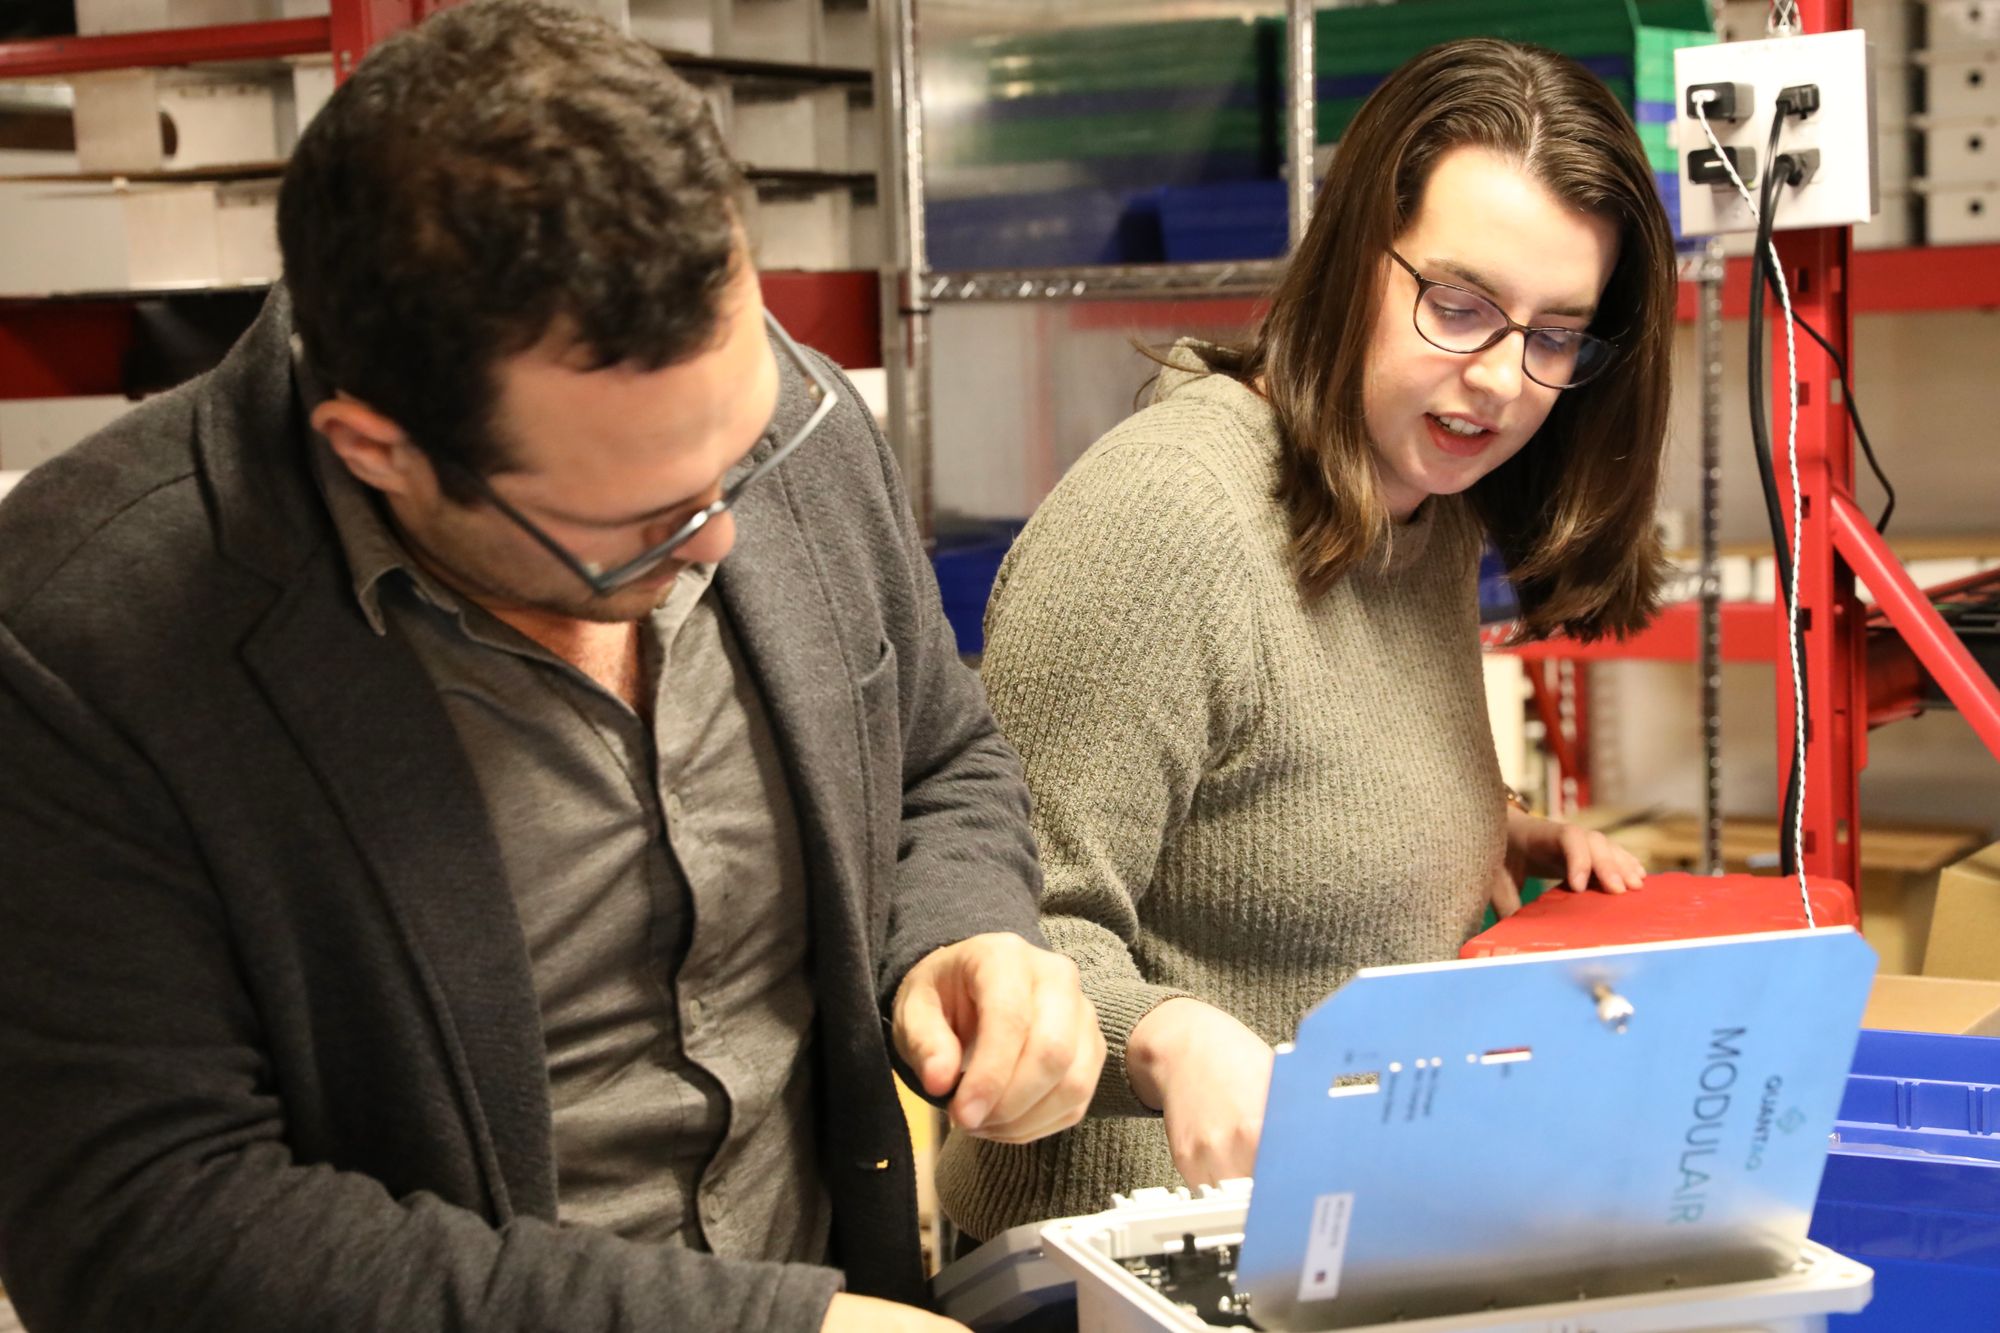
1844	190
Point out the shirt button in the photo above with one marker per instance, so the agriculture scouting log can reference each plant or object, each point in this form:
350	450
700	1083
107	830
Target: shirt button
717	1205
673	806
696	1012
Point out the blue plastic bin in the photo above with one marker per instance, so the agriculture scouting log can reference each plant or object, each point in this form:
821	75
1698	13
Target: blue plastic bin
1223	220
1099	225
1912	1187
967	560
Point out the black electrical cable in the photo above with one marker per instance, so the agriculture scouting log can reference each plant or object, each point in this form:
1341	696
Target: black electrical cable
1779	173
1760	439
1854	416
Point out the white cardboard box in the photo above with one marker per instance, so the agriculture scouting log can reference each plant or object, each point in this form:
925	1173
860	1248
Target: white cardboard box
312	84
1894	227
847	34
1958	85
776	30
102	16
1962	25
246	232
217	119
676	25
140	236
1962	152
864	134
865	233
789	130
117	118
1961	215
803	229
223	119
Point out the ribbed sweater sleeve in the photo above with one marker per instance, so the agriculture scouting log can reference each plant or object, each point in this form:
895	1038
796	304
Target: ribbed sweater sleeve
1120	662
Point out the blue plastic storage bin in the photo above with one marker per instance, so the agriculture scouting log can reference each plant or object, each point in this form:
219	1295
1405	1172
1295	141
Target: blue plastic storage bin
1055	228
1223	220
967	560
1912	1187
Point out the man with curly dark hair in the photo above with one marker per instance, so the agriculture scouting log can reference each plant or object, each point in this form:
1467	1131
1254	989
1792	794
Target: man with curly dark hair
440	891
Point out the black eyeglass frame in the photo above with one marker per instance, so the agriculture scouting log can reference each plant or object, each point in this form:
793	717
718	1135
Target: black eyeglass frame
1507	326
605	582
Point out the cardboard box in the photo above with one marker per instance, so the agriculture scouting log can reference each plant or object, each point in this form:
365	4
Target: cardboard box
246	232
1899	870
218	120
847	34
802	229
1960	84
103	16
786	31
1965	928
789	130
1933	1004
117	118
224	119
1961	215
675	25
312	85
864	134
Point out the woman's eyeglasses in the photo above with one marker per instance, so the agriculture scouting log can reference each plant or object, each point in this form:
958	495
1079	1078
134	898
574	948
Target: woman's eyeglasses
1453	319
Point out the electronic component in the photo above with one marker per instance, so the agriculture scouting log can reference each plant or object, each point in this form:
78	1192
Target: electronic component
1200	1277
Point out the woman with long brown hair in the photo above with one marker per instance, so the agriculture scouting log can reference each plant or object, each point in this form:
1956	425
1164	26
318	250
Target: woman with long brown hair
1238	645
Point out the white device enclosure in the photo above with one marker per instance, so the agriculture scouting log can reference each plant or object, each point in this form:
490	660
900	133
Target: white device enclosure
1112	1300
1844	190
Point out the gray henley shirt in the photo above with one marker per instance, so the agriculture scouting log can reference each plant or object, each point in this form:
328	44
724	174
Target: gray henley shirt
661	889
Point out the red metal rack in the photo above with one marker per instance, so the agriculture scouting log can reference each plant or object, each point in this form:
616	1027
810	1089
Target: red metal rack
1854	678
1837	544
349	30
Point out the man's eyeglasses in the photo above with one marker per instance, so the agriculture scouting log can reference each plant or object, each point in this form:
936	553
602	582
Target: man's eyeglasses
1453	319
603	581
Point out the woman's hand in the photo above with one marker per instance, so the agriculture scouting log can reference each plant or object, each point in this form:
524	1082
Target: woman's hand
1578	858
1210	1075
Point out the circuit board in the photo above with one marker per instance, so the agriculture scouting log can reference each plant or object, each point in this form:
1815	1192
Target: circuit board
1199	1278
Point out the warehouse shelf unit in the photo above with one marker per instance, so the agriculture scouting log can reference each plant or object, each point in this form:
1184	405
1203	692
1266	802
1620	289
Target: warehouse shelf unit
82	346
85	344
911	290
1832	283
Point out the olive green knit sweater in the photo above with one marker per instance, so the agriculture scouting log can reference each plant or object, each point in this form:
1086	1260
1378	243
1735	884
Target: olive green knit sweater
1240	795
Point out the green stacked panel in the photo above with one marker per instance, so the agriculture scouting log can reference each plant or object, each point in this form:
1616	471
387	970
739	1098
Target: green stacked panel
1628	43
1376	38
1654	79
1126	91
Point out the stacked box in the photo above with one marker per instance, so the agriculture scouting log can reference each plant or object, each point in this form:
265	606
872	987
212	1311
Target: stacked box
1055	152
789	129
1960	65
1060	118
95	17
1629	45
217	119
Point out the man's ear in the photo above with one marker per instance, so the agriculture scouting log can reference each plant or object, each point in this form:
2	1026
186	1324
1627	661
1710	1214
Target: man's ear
374	448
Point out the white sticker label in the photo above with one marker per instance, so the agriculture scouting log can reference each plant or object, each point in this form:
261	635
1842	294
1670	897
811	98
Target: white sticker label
1326	1247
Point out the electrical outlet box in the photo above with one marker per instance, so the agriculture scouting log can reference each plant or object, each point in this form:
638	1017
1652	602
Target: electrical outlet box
1843	190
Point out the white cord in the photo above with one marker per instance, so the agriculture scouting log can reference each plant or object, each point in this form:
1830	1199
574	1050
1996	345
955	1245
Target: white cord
1792	459
1782	19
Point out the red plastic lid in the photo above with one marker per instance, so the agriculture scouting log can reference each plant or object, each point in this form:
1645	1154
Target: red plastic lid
1671	906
